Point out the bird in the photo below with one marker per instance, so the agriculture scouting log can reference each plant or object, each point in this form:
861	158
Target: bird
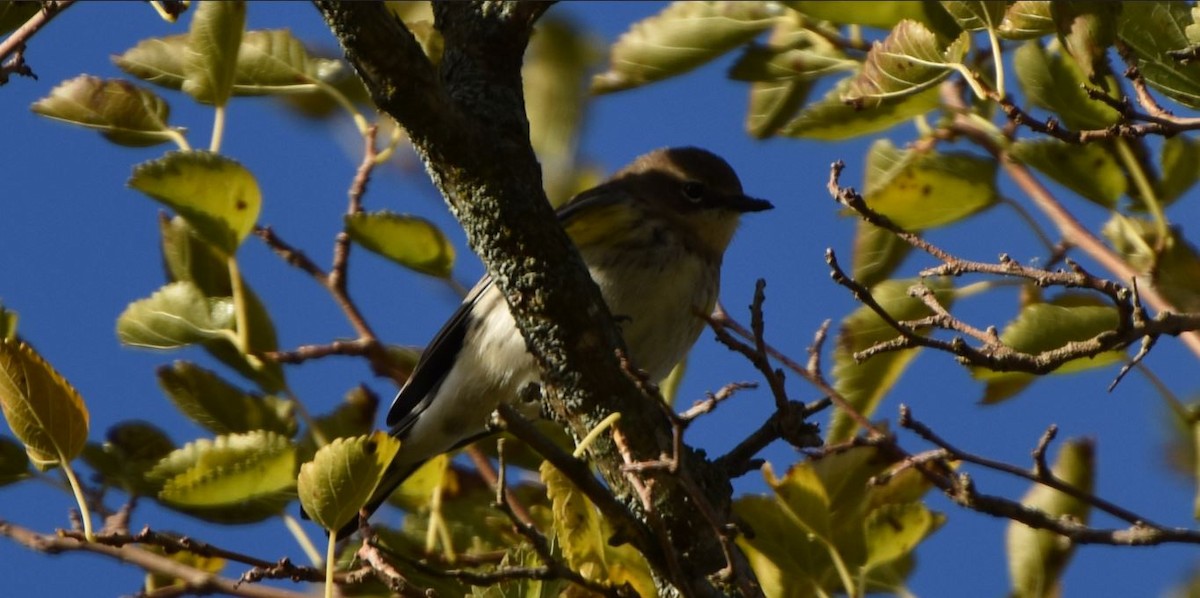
652	237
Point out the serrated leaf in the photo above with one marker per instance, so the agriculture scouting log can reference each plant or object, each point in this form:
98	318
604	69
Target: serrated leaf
920	190
158	60
831	119
221	407
214	38
43	410
877	253
682	37
238	478
354	416
1055	83
1153	29
865	384
1046	326
14	463
911	59
1027	19
1037	558
1090	169
782	72
121	111
410	241
976	15
176	315
8	323
218	197
131	450
894	530
342	476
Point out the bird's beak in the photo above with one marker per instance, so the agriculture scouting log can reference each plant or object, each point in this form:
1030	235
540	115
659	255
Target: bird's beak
745	203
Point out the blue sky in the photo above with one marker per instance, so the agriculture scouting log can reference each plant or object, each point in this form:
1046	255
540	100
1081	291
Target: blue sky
77	246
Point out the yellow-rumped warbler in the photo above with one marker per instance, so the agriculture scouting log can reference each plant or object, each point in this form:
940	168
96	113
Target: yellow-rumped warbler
652	237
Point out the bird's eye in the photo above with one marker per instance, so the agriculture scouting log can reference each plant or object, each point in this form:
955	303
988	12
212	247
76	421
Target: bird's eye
694	191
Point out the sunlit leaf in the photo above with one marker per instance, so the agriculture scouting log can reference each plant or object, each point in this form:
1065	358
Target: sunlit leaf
176	315
682	37
877	253
410	241
158	60
342	476
1151	30
194	562
1087	30
976	15
221	407
1027	19
870	13
1090	169
1048	326
832	119
354	416
237	478
911	59
804	497
865	384
43	410
218	197
1180	168
1055	83
919	190
1037	558
213	41
894	531
131	449
123	112
8	323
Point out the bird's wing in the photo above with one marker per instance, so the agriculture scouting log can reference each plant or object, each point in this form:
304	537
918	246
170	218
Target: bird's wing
434	364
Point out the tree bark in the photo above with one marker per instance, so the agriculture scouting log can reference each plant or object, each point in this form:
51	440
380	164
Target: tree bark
466	119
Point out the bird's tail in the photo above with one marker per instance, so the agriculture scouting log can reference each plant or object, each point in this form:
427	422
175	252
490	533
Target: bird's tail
396	473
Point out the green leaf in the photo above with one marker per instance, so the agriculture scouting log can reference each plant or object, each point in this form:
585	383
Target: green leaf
1026	19
175	316
782	72
894	530
1090	169
8	323
976	15
1047	326
919	190
881	15
342	476
213	41
682	37
1172	265
1037	558
410	241
217	196
785	558
1087	30
158	60
831	119
1153	29
131	450
221	407
877	253
802	494
354	416
1180	168
239	478
911	59
124	113
188	258
43	410
14	14
1055	83
865	384
14	463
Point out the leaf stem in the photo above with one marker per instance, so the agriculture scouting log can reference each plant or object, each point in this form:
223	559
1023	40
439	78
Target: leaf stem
218	131
240	309
179	139
77	489
340	98
1146	190
302	539
997	57
330	564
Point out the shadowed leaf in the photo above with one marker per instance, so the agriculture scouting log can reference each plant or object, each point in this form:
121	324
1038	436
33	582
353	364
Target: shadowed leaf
213	41
221	407
124	113
43	410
